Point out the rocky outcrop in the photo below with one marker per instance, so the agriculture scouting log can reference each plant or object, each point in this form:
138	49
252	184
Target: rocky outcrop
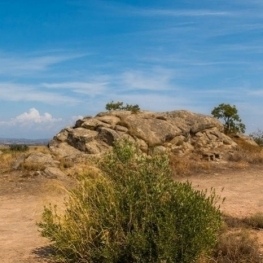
179	132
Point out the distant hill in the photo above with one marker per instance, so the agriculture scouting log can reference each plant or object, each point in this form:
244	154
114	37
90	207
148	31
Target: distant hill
8	141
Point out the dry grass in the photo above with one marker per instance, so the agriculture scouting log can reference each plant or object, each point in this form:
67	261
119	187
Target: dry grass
236	247
237	243
183	166
254	221
6	161
246	152
31	166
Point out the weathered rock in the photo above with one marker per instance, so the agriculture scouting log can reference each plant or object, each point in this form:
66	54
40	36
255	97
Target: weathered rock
178	132
53	173
111	120
63	149
107	135
92	124
63	134
41	159
80	136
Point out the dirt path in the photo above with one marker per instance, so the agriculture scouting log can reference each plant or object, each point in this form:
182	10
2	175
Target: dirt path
22	201
242	189
21	206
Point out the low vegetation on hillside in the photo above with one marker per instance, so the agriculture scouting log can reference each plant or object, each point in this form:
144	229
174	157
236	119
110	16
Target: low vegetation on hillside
133	211
120	106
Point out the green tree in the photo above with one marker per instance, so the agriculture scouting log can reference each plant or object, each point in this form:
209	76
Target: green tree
229	114
119	106
133	211
114	105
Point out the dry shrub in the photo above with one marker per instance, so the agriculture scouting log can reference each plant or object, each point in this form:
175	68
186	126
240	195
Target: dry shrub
237	243
236	247
183	166
31	166
6	161
233	222
254	221
239	165
39	148
246	152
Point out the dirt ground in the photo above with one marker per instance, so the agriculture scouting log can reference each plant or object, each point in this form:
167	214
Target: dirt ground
22	200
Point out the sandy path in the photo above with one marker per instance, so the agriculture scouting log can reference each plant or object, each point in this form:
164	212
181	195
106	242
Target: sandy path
21	206
18	231
242	189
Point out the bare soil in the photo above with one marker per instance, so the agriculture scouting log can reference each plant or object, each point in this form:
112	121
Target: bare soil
22	200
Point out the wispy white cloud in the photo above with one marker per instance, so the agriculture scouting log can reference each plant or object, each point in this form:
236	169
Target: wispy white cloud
17	65
88	88
22	92
177	13
155	80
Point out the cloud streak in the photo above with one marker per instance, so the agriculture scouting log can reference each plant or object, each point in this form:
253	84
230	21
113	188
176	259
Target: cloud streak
22	92
15	65
183	13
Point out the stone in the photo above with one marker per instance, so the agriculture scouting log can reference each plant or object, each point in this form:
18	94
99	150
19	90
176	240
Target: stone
54	173
41	159
179	132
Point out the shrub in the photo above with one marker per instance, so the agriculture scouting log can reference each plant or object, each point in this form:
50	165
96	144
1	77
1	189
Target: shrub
257	137
119	106
236	247
255	221
232	122
133	211
246	152
114	105
18	147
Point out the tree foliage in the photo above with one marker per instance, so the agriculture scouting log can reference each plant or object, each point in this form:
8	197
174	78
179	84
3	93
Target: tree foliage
119	106
229	114
133	212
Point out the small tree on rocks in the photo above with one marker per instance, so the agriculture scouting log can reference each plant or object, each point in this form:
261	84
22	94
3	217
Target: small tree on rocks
229	114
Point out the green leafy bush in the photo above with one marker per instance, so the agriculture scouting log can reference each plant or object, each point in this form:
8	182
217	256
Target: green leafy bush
114	105
232	122
133	211
119	106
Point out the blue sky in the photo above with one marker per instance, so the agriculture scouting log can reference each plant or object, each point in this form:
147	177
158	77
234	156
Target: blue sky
63	59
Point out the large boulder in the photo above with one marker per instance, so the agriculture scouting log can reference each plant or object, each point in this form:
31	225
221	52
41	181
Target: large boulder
179	132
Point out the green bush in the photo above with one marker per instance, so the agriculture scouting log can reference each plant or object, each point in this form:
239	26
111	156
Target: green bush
18	147
119	106
133	211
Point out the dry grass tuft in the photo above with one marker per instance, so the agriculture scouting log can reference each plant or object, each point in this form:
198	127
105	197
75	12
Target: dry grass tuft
236	247
254	221
246	152
31	166
183	166
6	161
